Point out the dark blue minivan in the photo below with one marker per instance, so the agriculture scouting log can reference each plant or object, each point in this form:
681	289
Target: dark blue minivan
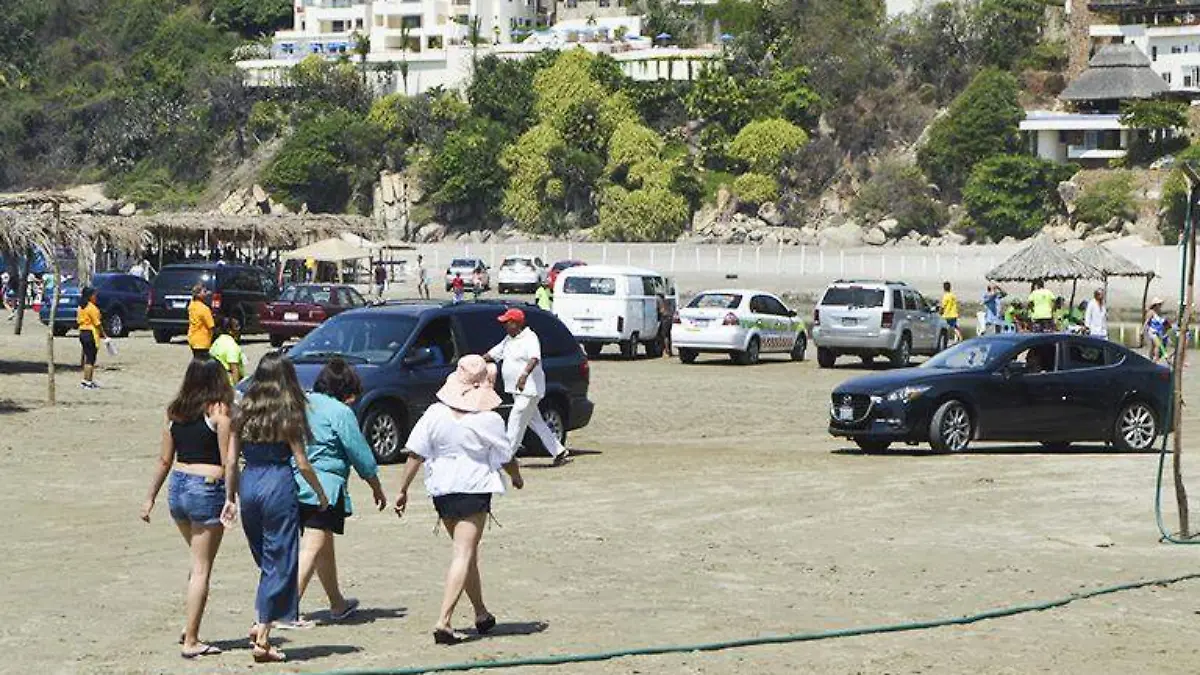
122	299
404	351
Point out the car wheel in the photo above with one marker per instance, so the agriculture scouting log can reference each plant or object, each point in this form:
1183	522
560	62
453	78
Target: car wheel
277	340
556	419
1136	427
826	357
59	331
162	337
951	428
750	356
114	325
688	355
629	347
385	432
872	447
903	354
592	349
800	347
1056	446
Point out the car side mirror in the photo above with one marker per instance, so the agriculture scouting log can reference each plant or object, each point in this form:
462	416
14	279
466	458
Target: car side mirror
419	357
792	313
284	349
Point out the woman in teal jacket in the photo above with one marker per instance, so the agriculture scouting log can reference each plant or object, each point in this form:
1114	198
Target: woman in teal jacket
336	445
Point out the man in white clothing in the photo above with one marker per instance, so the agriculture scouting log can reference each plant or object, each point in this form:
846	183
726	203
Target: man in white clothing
520	357
1095	318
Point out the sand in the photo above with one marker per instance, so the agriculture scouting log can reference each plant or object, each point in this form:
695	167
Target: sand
707	503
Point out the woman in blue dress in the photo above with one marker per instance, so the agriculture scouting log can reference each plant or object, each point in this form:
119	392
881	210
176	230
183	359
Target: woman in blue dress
269	431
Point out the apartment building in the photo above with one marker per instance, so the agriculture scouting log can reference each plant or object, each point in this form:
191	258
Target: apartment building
1166	31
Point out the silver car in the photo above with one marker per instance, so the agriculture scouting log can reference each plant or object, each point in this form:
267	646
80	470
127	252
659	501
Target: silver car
466	267
876	318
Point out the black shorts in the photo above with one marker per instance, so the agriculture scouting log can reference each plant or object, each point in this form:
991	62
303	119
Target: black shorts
332	519
88	342
462	505
201	354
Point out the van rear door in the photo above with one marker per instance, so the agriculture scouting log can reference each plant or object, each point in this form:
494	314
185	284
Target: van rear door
592	306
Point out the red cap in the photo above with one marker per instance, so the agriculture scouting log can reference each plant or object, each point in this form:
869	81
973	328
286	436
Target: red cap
513	314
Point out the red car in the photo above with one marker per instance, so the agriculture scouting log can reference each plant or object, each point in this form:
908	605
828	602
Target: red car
560	266
303	307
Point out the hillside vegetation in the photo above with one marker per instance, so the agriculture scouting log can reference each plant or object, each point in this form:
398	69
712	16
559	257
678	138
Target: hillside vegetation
143	95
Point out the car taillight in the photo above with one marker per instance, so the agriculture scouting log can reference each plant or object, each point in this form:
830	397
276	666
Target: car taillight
316	314
585	369
676	319
730	319
816	317
216	301
886	321
150	299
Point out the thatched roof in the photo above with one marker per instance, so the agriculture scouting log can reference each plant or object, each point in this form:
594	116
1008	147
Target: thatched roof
1109	263
33	199
1116	72
1043	259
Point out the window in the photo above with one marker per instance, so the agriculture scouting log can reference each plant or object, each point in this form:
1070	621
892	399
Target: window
339	26
481	330
590	286
1154	53
603	3
1037	359
369	337
438	339
853	296
768	305
350	298
651	285
572	4
1116	355
1081	355
411	21
1187	80
358	23
716	301
910	302
556	340
435	42
758	304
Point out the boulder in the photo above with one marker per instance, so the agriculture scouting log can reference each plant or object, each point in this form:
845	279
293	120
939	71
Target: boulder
704	219
260	195
846	235
888	225
726	202
278	209
387	187
1068	191
1100	237
1145	229
431	233
1113	225
953	238
875	237
128	209
770	214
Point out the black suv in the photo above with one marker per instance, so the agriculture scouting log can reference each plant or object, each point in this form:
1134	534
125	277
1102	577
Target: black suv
239	291
404	351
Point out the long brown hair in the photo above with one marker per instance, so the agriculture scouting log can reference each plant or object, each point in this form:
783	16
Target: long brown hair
274	407
206	382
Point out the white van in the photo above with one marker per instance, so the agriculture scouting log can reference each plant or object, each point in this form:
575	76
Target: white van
605	305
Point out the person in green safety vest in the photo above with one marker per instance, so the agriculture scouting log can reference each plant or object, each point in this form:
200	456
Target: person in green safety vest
544	297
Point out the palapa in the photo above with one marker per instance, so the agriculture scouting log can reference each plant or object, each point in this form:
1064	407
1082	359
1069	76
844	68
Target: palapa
1110	263
1043	259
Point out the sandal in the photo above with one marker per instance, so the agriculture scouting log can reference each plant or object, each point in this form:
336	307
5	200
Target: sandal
442	636
487	623
351	608
205	650
268	654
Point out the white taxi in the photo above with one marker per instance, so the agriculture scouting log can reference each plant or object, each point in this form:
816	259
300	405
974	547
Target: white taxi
739	322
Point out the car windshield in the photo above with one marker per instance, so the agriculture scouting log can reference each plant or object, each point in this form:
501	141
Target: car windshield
513	263
590	286
367	337
853	296
716	301
288	294
314	295
180	279
462	262
969	355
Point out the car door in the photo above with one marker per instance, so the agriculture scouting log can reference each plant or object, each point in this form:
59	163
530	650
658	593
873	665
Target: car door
777	325
1091	388
430	358
138	302
922	325
648	300
1019	399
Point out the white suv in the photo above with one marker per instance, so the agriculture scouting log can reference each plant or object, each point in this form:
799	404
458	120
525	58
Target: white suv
521	273
874	318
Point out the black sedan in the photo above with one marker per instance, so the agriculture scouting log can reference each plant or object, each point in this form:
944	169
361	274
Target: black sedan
1048	389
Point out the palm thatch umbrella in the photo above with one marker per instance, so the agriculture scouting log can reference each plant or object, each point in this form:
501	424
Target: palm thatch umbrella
1112	264
1043	260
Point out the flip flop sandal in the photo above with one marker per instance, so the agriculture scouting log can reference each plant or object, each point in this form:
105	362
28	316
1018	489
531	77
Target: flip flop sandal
268	655
351	608
485	624
299	624
207	650
446	637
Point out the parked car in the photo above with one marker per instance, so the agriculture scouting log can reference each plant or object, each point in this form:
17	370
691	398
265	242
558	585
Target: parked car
521	273
552	275
1048	389
404	352
740	323
603	305
301	308
239	291
466	267
876	318
122	299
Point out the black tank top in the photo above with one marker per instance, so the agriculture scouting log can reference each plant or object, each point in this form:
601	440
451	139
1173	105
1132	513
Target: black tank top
195	442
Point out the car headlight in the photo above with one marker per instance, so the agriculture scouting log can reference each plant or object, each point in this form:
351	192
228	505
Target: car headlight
907	394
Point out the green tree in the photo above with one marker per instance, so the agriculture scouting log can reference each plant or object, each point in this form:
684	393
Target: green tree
981	122
647	214
464	181
502	90
762	145
252	18
330	161
1008	30
1013	195
1110	196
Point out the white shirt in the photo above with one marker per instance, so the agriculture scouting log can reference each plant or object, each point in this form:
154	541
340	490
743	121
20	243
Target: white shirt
1096	319
461	455
514	355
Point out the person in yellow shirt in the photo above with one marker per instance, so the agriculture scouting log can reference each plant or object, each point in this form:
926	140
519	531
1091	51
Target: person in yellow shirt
1041	308
200	323
950	310
91	331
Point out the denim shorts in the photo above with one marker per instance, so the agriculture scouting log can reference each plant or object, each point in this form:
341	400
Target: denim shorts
197	499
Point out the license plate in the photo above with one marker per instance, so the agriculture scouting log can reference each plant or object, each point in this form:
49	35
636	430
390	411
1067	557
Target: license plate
700	323
291	316
179	305
585	326
845	413
849	322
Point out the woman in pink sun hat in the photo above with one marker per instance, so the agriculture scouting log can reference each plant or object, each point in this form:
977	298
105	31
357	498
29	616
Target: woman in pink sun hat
462	444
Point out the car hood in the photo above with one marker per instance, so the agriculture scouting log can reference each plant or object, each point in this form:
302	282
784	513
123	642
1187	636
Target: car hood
882	383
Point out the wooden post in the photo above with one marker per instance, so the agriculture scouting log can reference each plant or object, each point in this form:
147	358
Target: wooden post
54	268
24	291
1141	341
1189	253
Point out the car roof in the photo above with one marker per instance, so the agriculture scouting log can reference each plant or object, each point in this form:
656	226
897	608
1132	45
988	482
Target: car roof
736	291
868	282
592	270
205	266
418	307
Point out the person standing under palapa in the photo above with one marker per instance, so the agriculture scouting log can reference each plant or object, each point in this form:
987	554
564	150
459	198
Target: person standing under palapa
993	316
1041	308
336	445
1095	317
228	352
950	310
544	296
91	331
270	429
461	443
194	450
520	357
1155	328
200	323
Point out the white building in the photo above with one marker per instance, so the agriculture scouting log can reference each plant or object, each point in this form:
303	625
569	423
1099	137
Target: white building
1166	31
1075	137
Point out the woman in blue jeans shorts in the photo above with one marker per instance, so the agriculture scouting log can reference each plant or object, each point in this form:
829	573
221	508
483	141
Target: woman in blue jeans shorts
270	430
194	441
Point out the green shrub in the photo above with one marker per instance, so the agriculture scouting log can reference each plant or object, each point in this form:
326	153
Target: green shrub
1109	197
648	214
755	189
900	191
1012	195
762	145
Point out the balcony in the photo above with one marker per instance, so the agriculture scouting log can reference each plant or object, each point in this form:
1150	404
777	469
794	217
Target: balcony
1084	152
